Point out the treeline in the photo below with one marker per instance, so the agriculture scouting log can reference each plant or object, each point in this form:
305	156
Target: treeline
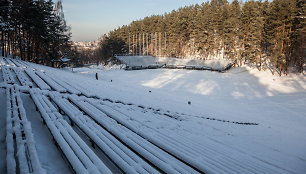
264	34
31	30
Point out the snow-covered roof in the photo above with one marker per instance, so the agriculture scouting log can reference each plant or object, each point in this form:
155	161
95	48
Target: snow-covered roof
65	59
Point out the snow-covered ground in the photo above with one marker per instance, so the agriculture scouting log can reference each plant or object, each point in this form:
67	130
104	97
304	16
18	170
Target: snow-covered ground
241	121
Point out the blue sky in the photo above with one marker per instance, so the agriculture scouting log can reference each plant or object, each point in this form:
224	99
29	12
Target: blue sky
89	19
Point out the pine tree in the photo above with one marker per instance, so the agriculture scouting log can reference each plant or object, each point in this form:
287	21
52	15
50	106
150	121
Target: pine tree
253	21
32	30
231	30
298	36
279	28
253	32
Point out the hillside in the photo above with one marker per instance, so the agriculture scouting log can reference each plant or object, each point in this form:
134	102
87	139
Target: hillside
261	33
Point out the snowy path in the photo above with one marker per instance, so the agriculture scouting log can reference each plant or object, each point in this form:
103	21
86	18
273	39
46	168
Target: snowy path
75	128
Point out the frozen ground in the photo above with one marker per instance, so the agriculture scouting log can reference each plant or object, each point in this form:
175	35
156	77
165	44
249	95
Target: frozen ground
242	121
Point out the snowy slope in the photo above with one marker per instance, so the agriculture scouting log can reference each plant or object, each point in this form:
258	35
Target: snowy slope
242	121
243	95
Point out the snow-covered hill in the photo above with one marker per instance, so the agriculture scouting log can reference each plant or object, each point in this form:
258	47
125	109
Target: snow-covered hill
241	121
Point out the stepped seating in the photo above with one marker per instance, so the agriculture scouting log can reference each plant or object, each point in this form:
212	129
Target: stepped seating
155	66
83	91
17	63
71	87
65	85
190	67
10	62
21	152
204	157
123	157
148	151
181	66
38	81
7	75
51	82
24	81
133	146
150	62
81	158
2	62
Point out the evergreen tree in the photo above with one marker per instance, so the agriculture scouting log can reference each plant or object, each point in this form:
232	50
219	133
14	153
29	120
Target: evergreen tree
298	36
231	30
32	31
252	20
279	30
263	34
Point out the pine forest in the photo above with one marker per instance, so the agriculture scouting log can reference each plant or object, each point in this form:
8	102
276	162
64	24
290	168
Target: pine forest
32	30
262	34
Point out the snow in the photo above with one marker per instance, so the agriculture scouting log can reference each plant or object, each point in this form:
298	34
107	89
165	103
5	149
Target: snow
7	75
18	63
23	79
38	81
74	148
51	82
241	95
240	121
19	137
146	149
65	59
120	154
146	61
2	131
52	162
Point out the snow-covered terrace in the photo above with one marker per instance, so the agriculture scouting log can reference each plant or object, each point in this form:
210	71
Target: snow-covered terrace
242	121
150	61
